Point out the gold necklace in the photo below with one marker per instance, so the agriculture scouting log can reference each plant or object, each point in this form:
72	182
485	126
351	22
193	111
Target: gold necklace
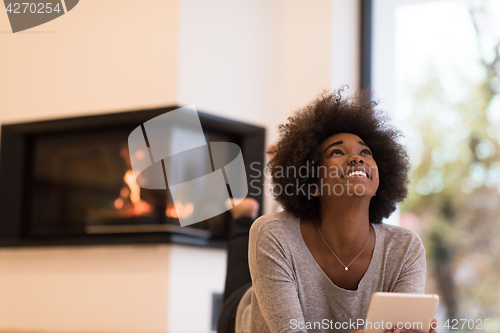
346	267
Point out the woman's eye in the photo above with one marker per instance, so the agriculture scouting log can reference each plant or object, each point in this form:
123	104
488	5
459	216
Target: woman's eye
336	151
366	151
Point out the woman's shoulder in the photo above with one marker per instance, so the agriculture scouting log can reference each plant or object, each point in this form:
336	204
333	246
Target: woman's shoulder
396	230
279	226
397	236
275	221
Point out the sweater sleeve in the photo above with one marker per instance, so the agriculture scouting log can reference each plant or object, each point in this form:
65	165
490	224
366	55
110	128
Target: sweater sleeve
274	281
413	273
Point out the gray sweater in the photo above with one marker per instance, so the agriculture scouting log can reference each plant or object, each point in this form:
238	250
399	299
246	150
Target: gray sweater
291	293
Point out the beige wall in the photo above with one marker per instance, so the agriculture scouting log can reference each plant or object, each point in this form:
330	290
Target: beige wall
253	61
84	289
101	56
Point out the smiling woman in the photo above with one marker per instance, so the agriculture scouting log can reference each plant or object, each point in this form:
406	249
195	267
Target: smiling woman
316	265
330	114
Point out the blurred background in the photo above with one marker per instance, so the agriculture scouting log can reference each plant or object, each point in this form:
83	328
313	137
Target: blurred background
434	65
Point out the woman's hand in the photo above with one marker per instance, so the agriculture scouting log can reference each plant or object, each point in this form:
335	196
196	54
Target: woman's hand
403	330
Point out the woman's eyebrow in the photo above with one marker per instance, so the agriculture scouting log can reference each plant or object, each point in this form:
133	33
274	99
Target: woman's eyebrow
341	142
333	144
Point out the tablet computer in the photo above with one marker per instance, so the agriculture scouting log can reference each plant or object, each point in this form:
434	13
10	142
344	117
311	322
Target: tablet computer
400	310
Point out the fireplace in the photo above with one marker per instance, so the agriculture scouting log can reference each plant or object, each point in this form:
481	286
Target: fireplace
70	181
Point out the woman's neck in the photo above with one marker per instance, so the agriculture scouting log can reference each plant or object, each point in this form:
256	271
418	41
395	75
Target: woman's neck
345	224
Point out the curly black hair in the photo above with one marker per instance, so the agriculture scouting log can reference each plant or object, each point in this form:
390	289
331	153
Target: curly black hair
331	113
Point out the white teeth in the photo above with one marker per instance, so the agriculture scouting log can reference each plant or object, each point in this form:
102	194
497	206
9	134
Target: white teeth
356	173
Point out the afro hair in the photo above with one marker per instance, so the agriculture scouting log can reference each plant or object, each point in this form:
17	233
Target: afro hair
331	113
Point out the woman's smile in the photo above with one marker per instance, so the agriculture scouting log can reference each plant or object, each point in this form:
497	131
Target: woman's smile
359	172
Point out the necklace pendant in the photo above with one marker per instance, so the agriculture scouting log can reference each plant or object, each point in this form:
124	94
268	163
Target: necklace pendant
346	268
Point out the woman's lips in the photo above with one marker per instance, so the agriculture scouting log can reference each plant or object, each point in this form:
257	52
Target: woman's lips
360	173
356	174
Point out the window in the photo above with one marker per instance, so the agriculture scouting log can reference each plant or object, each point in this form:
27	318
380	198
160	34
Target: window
436	68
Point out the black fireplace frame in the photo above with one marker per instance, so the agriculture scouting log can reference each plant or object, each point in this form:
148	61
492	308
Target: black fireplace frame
15	152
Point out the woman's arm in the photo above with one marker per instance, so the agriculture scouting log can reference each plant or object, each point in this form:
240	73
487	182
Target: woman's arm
412	276
274	282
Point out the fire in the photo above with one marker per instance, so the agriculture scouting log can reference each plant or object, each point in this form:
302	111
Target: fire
139	206
119	203
136	206
179	210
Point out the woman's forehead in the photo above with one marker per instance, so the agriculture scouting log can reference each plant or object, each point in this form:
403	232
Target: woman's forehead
344	137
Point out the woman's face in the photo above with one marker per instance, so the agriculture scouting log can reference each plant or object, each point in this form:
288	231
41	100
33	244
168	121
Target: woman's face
347	167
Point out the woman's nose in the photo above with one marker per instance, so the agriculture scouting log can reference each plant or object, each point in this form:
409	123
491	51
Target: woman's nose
356	159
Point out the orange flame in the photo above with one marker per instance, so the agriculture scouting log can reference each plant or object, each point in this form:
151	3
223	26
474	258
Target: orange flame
140	206
178	210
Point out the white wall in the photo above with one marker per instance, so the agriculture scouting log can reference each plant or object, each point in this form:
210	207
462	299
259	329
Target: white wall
252	61
84	289
345	41
194	275
102	56
383	62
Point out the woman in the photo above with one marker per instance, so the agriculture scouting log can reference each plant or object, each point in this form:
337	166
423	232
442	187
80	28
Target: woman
338	170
